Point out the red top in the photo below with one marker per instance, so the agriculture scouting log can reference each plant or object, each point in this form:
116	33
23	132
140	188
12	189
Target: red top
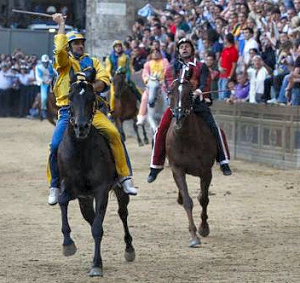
229	56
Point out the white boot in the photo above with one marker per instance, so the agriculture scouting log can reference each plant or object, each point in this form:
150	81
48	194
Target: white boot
53	196
127	185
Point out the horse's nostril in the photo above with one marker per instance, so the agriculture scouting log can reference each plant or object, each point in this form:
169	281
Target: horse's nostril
76	126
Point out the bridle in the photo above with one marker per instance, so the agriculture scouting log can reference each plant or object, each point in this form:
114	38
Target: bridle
81	80
179	109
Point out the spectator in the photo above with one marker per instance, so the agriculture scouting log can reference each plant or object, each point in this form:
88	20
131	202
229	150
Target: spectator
239	91
227	65
257	76
137	58
210	61
250	43
180	23
6	81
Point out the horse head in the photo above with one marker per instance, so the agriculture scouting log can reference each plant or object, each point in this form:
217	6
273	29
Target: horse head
118	81
181	98
154	89
82	105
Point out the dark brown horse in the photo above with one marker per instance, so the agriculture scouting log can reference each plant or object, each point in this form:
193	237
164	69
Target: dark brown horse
87	172
126	106
52	109
191	149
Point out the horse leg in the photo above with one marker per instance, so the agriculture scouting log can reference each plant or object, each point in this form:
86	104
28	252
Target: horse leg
180	179
151	120
135	127
87	209
123	200
69	247
146	141
97	230
204	200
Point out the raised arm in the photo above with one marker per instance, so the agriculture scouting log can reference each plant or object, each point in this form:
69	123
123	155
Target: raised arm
60	43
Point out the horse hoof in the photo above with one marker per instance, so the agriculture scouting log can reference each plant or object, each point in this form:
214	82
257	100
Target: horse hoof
96	271
204	231
69	250
141	144
129	256
146	141
194	242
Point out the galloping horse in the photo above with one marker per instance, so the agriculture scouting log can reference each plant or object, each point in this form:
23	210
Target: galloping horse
157	102
126	106
87	172
191	149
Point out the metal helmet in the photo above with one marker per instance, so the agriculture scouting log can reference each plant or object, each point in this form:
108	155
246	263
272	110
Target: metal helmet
185	40
74	35
45	58
117	42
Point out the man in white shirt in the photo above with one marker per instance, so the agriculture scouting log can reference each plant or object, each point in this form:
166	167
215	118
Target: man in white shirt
250	43
257	75
6	81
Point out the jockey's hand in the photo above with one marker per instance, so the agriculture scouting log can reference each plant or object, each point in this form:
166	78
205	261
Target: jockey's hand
58	18
198	93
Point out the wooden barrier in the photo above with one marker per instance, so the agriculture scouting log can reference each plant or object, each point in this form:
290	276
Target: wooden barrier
268	134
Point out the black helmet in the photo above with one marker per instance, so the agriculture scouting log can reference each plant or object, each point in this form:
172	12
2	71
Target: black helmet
185	40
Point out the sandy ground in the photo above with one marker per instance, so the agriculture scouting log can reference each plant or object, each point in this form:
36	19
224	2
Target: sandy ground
253	217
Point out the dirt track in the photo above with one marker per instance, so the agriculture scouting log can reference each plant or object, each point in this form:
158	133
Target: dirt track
253	217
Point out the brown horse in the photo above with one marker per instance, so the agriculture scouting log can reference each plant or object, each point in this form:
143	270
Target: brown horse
52	109
191	149
126	106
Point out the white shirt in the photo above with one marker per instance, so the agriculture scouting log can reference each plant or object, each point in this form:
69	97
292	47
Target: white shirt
25	78
5	79
249	44
257	79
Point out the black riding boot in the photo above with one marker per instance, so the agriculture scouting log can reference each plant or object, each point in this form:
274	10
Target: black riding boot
153	174
204	112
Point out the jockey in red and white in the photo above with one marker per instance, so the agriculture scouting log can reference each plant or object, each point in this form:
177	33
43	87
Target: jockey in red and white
200	81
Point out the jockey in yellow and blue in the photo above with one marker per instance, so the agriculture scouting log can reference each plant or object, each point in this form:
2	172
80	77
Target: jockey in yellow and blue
116	60
69	57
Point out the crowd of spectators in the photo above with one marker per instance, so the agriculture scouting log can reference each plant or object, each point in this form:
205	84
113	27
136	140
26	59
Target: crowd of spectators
18	86
251	47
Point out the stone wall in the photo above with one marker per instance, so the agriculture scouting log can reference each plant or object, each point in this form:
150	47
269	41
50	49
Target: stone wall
108	20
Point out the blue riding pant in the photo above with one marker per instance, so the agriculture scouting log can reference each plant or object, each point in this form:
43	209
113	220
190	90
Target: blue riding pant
44	95
61	126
